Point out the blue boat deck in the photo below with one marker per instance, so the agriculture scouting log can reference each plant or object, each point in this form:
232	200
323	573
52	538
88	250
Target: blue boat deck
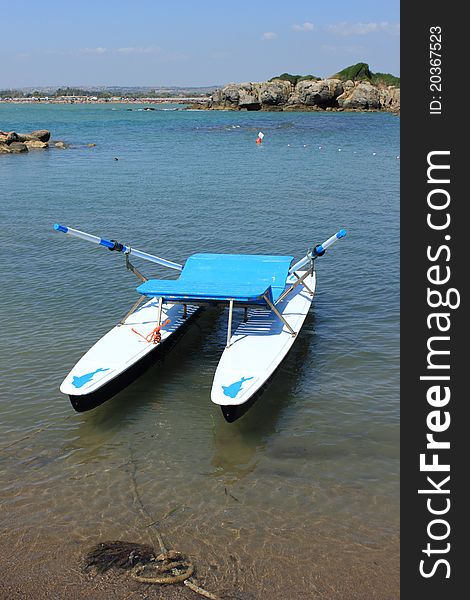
243	278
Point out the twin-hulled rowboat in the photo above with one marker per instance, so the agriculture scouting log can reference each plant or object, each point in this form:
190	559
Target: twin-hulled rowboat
274	294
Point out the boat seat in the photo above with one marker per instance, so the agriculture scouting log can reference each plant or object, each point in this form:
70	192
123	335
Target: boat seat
244	278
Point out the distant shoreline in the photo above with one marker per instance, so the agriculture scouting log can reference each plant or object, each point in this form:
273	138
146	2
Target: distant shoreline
87	100
192	104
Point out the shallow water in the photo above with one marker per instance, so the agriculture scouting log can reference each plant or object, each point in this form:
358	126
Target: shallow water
309	476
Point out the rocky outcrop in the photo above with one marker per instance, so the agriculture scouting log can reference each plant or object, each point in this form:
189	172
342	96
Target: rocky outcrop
321	93
389	98
43	135
324	94
13	147
248	100
274	93
363	96
13	143
35	144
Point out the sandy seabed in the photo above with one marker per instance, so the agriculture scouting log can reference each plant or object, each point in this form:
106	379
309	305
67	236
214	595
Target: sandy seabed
35	568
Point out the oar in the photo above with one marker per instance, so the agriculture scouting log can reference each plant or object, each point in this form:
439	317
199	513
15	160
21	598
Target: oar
319	250
113	245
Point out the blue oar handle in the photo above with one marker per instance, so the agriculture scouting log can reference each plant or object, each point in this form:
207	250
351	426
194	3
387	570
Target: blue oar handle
320	249
85	236
113	245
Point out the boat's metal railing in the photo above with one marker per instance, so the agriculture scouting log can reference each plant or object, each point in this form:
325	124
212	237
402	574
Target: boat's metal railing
318	250
300	280
308	259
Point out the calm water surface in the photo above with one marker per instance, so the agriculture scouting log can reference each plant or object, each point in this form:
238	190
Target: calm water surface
309	477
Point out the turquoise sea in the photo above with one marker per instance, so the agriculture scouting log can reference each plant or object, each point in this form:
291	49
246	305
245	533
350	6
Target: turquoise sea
297	499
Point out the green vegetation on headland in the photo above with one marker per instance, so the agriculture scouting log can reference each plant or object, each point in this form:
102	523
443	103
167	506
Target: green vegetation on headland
294	79
357	72
385	79
361	72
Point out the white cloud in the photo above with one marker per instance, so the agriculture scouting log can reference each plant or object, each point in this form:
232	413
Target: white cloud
139	50
156	52
76	52
269	35
304	27
98	50
120	51
364	28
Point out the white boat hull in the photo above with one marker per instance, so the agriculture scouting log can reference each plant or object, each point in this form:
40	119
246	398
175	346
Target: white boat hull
119	351
257	348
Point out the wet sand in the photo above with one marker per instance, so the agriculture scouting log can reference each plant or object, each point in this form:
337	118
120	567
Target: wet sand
36	568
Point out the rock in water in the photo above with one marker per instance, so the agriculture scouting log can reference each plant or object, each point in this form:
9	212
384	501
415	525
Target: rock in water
36	144
13	142
43	135
12	137
17	147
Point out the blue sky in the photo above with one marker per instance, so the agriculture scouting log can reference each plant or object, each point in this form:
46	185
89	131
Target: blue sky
183	42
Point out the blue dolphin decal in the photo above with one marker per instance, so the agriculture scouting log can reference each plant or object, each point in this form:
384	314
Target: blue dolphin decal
78	382
233	389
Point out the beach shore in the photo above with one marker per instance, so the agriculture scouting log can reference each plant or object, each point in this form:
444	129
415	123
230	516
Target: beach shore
36	568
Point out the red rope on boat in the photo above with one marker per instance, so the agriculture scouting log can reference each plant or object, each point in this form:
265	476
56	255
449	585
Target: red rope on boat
154	337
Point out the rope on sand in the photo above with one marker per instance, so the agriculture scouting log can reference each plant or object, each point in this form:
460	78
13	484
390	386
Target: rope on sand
168	567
